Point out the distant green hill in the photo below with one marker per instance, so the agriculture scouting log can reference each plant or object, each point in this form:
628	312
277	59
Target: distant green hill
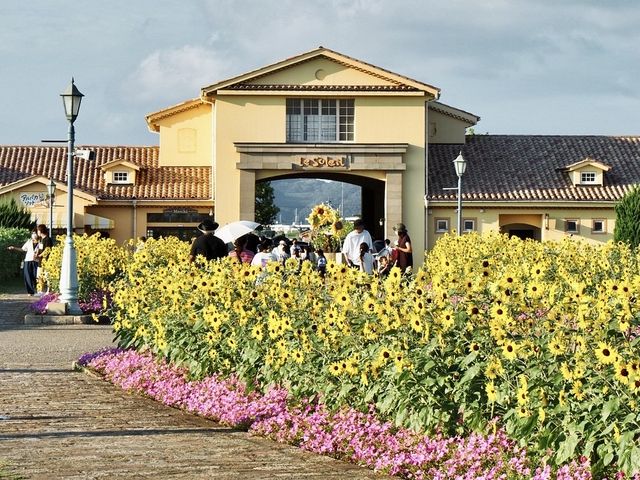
303	193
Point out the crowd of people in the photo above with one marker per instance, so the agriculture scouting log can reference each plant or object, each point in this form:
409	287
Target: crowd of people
358	249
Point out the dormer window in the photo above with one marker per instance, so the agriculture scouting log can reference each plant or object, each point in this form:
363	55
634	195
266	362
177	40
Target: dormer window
120	177
119	172
586	172
587	178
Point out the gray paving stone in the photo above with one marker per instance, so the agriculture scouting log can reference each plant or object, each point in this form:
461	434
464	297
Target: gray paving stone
56	423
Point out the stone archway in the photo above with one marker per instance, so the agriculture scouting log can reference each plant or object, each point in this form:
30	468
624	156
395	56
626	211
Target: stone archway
377	168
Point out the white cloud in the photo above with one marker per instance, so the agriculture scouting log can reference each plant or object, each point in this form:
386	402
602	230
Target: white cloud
176	74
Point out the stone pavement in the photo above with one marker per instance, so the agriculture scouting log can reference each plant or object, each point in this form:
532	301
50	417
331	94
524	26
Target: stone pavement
59	424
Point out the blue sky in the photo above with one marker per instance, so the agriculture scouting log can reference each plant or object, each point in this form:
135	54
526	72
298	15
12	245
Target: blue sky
525	67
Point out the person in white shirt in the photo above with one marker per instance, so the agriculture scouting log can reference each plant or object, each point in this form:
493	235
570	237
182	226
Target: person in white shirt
352	242
281	251
263	256
30	265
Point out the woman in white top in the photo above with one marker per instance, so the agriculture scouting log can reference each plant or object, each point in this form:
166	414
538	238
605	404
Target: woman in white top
366	259
30	270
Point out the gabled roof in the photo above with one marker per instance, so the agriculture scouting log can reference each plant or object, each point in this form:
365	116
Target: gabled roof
513	168
42	181
456	113
587	162
117	162
20	163
398	82
155	117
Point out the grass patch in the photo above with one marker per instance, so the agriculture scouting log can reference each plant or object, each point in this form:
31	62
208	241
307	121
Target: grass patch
6	472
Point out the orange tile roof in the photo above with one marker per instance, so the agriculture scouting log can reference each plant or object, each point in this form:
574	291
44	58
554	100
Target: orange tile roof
532	168
152	181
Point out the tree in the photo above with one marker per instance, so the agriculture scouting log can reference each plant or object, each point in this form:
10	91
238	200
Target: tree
627	210
266	210
13	216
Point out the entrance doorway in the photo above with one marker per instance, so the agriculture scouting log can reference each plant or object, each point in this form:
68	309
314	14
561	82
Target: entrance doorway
523	231
371	197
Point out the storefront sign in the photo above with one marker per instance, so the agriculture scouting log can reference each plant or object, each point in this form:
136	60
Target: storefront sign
33	199
324	162
179	210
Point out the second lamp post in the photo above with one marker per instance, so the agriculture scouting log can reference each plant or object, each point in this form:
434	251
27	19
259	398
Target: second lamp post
460	165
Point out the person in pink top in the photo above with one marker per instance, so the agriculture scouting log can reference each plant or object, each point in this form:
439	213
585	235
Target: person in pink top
240	251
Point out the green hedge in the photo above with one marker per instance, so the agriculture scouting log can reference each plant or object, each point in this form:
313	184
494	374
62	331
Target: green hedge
10	261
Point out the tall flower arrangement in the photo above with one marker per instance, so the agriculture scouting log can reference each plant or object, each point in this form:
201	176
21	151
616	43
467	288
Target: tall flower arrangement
328	229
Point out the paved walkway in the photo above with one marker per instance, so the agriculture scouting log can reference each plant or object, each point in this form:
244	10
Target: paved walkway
59	424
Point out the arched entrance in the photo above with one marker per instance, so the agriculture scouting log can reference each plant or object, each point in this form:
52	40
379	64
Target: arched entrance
376	168
522	225
523	231
372	198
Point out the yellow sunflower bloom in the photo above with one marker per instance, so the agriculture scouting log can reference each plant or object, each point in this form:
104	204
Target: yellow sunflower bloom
606	354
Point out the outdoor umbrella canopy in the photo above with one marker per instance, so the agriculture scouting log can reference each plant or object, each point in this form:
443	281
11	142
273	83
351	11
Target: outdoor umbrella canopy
233	230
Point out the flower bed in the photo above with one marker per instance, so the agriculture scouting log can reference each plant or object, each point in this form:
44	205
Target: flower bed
541	336
346	434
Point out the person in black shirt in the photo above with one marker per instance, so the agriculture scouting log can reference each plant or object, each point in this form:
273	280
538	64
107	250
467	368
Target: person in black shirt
208	245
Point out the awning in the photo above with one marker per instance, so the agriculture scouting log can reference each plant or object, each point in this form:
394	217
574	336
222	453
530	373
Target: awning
60	220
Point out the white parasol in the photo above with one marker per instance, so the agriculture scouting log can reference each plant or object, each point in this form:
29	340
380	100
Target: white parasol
233	230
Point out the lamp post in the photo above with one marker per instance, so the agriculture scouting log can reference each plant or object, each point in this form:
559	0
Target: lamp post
460	165
51	190
71	99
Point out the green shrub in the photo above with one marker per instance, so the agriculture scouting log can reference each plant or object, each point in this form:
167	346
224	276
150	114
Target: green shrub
10	261
13	216
627	227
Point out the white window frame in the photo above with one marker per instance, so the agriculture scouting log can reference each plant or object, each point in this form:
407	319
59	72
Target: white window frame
577	224
464	225
446	225
320	120
125	176
588	178
604	226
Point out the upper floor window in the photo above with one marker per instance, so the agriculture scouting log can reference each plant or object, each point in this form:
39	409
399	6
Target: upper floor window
120	177
587	177
320	120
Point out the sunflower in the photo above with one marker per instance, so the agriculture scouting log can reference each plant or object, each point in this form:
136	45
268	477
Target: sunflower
335	368
605	353
492	393
622	373
556	346
494	368
297	356
566	373
510	350
474	347
541	415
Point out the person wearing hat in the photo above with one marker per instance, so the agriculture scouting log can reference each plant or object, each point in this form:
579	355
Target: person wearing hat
352	242
403	248
207	244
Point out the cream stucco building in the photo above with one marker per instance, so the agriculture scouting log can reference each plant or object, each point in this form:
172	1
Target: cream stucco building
322	114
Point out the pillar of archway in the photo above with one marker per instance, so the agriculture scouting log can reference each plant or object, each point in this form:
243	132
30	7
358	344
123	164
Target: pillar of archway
393	202
247	195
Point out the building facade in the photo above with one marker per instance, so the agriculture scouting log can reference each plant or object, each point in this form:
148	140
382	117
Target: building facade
325	115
